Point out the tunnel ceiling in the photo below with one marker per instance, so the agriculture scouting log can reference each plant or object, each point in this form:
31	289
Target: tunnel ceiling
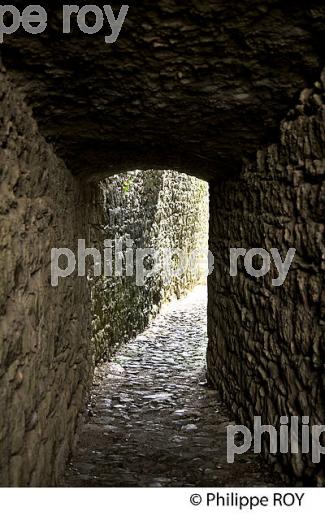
194	86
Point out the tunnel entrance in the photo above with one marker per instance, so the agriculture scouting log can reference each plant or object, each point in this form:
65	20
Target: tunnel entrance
154	225
152	419
266	343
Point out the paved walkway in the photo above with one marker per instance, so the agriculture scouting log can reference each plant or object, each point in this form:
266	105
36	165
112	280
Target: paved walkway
153	421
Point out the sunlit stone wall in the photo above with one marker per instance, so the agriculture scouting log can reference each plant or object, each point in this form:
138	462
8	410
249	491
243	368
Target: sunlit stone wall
159	210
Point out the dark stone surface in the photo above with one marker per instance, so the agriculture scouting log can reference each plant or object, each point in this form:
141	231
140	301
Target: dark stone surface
153	421
45	360
195	87
190	86
269	341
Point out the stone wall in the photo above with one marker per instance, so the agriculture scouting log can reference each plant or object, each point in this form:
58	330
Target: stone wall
45	359
266	346
160	210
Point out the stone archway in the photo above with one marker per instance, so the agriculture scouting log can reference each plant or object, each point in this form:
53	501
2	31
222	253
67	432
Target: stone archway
199	89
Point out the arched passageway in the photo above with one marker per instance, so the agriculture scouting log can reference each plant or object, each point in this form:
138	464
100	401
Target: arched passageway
152	418
231	92
154	421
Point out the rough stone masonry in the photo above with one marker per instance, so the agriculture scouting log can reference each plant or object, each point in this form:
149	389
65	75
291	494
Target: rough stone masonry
200	88
270	340
155	210
45	359
188	86
51	337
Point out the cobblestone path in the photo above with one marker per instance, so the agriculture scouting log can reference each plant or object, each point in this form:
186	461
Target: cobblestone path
152	419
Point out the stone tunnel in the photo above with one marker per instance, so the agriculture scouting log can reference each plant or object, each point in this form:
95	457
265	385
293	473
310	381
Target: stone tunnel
231	93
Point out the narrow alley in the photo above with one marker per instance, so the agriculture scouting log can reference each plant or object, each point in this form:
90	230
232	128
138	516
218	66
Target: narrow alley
153	421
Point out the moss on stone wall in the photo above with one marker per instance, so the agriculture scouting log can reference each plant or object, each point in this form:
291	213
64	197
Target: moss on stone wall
156	210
